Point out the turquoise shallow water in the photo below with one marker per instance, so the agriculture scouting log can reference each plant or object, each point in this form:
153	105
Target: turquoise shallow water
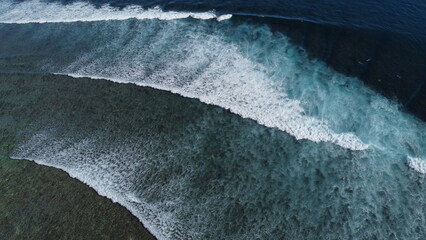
211	129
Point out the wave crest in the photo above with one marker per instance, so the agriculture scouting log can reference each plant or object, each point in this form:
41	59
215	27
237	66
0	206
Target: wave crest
42	12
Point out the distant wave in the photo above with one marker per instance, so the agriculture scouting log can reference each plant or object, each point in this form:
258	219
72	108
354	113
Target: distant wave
42	12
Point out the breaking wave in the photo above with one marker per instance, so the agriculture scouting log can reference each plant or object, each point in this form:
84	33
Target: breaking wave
194	60
357	139
43	12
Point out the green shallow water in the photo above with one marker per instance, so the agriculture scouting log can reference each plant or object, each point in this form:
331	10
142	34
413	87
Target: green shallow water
39	202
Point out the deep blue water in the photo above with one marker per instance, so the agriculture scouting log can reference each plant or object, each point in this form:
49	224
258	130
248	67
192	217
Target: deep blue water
286	120
405	17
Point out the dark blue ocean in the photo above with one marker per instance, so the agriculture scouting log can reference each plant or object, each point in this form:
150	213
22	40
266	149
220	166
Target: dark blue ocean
228	119
401	17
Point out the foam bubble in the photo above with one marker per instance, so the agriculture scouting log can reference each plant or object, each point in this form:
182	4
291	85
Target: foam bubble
417	164
43	12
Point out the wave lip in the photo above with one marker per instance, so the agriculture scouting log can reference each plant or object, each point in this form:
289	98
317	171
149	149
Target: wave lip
41	12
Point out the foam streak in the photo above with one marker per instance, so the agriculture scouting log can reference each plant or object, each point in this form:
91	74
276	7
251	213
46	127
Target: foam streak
41	12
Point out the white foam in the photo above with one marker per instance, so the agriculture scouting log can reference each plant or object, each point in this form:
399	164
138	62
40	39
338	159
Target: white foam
417	164
37	11
132	198
258	102
224	17
230	80
105	172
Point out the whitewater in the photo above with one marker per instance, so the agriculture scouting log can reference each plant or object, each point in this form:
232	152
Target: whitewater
243	67
241	85
42	12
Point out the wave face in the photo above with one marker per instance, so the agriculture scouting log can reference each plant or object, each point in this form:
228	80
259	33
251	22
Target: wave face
218	176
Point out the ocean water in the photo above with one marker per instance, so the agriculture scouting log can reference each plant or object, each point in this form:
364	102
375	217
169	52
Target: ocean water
219	124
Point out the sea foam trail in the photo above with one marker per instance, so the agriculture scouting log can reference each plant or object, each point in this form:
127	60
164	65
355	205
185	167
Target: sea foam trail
255	101
43	12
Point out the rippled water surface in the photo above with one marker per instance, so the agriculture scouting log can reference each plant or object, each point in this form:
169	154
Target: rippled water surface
209	126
